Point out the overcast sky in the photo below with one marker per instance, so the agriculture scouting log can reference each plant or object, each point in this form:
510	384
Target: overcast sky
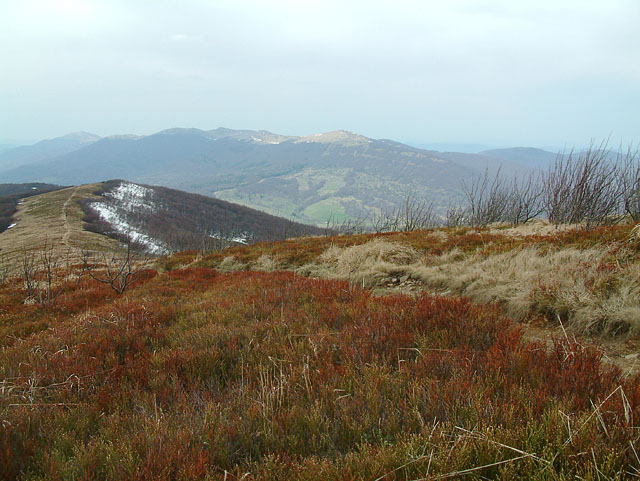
497	72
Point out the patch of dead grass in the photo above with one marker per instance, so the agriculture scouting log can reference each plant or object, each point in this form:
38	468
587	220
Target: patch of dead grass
589	289
535	227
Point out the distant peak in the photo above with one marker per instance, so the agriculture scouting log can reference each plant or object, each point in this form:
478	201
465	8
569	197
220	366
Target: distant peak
515	149
181	130
81	136
256	136
123	136
340	136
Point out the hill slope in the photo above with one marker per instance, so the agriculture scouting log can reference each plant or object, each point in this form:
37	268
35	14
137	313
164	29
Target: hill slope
335	174
160	220
164	220
10	195
524	155
44	150
54	218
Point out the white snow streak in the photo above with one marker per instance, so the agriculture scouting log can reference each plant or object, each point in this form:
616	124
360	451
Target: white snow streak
132	195
131	198
241	239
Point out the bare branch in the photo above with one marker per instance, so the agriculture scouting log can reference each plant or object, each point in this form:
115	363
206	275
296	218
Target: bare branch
584	188
119	271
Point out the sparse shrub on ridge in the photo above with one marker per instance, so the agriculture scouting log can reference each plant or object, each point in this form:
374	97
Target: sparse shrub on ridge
592	188
587	187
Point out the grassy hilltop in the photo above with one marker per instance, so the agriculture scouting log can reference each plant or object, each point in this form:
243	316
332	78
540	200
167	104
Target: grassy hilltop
348	357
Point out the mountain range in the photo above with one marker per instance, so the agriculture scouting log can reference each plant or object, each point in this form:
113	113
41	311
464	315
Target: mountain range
314	179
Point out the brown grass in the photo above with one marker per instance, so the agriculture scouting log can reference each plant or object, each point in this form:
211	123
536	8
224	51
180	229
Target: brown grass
57	218
594	290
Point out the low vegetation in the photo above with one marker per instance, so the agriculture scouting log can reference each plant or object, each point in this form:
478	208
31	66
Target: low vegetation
198	374
587	279
54	218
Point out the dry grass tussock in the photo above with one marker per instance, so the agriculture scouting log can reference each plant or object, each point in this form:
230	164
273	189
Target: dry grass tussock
264	263
230	264
535	227
591	290
371	263
634	237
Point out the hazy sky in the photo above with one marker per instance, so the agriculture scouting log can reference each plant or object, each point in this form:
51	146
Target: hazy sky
496	72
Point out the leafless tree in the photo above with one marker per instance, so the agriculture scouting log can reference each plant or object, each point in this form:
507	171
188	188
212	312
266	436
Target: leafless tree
524	199
119	271
493	199
352	227
46	273
347	226
488	198
30	273
49	267
457	215
331	226
412	214
629	163
380	222
583	187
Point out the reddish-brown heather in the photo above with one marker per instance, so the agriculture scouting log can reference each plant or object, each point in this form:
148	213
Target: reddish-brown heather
196	374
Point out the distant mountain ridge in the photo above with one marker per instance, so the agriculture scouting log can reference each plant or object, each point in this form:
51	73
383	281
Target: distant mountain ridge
526	155
334	175
45	149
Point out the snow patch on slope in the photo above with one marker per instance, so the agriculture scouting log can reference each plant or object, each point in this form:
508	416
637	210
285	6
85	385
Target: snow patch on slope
130	198
243	238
